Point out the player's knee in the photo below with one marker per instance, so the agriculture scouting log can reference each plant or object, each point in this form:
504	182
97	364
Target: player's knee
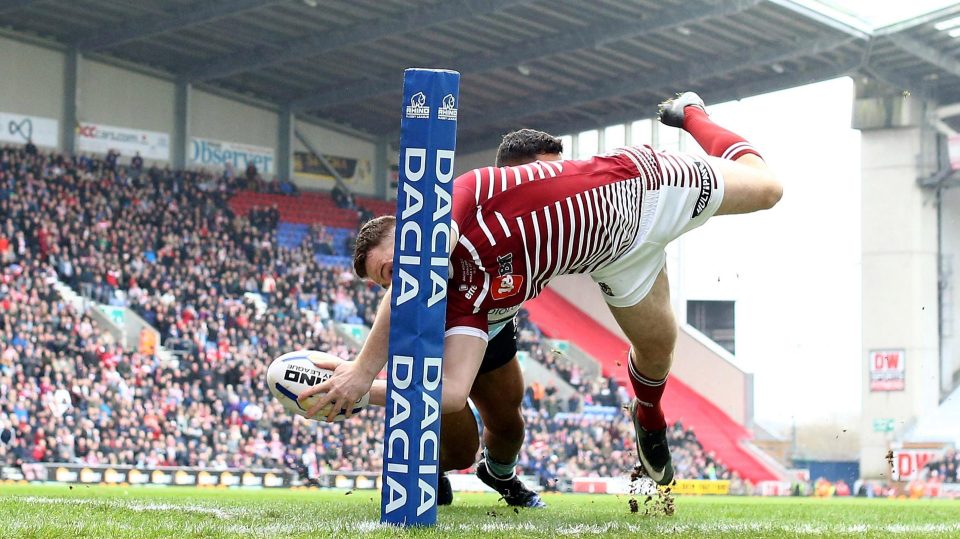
461	455
655	354
453	400
772	190
509	426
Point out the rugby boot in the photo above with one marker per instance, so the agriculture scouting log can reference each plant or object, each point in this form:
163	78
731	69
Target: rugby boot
514	492
652	449
444	490
671	110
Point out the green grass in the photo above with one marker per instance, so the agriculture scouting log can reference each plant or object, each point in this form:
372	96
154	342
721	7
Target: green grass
95	511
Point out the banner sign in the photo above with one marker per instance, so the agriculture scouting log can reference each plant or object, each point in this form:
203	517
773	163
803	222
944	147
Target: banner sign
216	154
883	424
177	476
356	173
908	463
99	138
887	370
428	136
19	129
621	485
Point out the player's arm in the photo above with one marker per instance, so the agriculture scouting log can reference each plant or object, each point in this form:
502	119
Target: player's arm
352	379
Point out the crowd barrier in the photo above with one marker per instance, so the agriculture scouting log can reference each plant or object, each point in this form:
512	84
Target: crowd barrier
129	475
468	482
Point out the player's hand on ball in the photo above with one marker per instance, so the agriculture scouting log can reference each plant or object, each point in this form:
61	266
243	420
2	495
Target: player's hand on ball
339	392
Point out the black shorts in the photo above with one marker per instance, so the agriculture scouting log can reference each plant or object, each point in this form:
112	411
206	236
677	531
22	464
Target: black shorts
500	349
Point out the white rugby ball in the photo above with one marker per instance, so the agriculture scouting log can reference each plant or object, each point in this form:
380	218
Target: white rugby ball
293	373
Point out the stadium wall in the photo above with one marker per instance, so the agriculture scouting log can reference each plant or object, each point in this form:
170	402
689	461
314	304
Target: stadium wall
338	145
950	258
470	161
118	97
218	118
900	289
31	80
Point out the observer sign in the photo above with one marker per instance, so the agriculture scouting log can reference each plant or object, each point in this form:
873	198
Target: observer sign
216	154
99	138
887	370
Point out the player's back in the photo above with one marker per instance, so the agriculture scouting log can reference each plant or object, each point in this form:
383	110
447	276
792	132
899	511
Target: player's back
521	226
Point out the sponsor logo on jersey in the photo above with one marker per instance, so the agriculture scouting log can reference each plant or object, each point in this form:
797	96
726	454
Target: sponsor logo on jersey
505	286
418	106
448	109
505	264
706	189
606	289
501	314
471	292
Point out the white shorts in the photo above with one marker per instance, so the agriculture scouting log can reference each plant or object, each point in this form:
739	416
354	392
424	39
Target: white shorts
677	202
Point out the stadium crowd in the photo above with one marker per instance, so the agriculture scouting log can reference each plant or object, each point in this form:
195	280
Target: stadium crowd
945	469
226	298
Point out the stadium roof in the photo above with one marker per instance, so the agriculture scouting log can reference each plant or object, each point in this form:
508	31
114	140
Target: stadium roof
561	65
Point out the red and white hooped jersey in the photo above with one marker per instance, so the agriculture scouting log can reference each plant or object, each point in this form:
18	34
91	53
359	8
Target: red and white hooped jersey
521	226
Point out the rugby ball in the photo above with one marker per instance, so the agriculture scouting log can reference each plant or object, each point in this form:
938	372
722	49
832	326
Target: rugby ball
295	372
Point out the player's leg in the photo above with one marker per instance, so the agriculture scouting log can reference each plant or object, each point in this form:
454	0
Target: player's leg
749	184
462	355
459	443
459	440
497	393
651	328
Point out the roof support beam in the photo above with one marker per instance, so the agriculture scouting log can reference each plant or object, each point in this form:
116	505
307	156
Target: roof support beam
592	36
677	78
181	125
897	82
649	110
285	134
150	25
926	53
68	129
337	178
322	42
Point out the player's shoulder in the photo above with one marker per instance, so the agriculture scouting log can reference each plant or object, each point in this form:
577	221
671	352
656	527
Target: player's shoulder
474	175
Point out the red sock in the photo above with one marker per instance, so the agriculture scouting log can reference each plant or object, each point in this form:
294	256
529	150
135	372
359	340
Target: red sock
648	392
715	140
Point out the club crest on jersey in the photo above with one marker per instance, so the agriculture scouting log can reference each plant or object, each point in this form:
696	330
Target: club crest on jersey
448	109
706	189
505	286
418	106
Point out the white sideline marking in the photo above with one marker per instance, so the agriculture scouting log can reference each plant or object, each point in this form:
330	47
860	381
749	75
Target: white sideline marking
131	505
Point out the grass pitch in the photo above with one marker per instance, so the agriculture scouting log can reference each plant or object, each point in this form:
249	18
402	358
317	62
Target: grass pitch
94	511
